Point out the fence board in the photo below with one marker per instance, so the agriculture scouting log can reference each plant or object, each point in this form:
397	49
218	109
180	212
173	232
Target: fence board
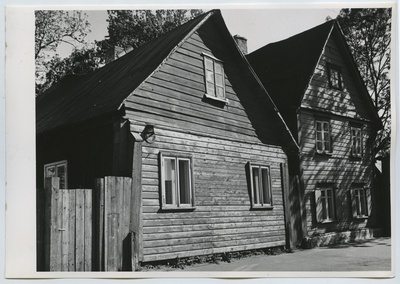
100	189
55	221
71	231
88	229
80	227
64	230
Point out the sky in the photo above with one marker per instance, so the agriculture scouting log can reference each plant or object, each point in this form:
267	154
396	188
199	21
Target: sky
258	26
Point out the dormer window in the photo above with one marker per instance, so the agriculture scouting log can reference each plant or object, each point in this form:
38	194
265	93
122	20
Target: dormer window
335	77
214	78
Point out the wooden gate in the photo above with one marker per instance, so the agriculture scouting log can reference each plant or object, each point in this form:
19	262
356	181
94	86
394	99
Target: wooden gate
67	228
114	212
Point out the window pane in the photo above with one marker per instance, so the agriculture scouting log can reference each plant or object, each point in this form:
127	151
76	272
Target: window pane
184	182
330	204
319	136
61	175
363	202
323	203
170	183
319	126
219	80
327	146
266	186
218	68
50	171
210	76
326	126
256	186
319	146
220	93
209	63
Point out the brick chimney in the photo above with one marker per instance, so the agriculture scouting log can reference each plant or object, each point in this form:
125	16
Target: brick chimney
241	42
116	52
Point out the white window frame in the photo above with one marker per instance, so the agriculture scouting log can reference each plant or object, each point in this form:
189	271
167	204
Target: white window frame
356	141
360	202
56	165
335	83
257	193
325	136
176	203
210	78
325	205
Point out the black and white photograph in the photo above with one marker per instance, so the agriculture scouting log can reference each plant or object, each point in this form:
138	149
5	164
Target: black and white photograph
240	140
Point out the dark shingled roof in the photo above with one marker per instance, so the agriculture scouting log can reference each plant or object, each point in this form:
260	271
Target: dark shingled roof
285	67
79	98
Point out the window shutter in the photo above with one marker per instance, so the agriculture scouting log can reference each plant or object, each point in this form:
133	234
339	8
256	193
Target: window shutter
318	206
353	202
368	197
250	175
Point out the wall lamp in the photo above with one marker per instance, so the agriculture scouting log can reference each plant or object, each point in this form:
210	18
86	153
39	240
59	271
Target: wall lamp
148	133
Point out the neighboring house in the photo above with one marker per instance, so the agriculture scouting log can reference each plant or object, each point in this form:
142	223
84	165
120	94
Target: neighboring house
185	117
314	81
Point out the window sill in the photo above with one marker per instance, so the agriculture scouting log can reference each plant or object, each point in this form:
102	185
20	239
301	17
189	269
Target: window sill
326	154
360	217
177	209
353	157
212	97
327	222
260	207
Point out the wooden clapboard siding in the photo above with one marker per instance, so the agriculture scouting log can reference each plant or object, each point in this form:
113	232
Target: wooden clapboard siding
320	96
338	168
222	218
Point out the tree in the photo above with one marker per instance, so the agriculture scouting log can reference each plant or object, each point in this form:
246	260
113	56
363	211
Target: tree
132	28
126	28
80	62
368	33
54	27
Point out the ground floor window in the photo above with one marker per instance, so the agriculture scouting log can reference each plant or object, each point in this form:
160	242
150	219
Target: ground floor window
260	183
325	204
177	187
57	169
360	197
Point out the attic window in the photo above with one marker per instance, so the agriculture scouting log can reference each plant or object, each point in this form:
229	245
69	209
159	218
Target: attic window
214	78
335	77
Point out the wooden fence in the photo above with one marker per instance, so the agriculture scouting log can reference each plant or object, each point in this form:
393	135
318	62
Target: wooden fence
65	233
115	239
85	229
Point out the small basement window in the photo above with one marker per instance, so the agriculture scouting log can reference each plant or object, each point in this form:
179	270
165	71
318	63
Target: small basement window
57	169
214	78
335	77
261	189
177	186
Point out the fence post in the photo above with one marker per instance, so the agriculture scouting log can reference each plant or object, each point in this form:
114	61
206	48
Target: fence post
52	246
136	205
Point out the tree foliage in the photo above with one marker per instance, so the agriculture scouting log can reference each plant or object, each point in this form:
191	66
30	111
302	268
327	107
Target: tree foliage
132	28
53	27
368	33
126	28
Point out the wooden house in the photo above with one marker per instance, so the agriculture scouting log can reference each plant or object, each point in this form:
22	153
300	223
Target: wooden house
314	81
185	118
